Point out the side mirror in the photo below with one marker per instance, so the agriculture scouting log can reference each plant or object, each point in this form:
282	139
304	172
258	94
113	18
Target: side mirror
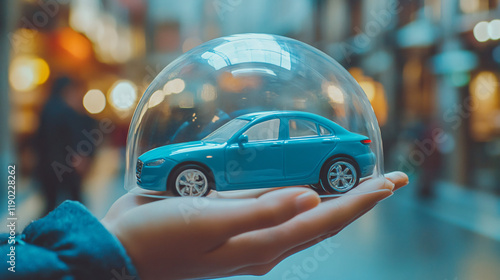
242	140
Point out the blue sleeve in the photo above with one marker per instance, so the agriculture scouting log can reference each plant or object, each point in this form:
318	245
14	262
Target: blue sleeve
69	243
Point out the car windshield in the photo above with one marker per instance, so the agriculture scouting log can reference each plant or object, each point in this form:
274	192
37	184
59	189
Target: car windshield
225	132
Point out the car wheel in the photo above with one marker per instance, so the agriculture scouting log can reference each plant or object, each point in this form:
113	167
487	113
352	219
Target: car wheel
190	180
340	175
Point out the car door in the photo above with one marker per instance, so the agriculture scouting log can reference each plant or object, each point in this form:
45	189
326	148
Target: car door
305	147
258	160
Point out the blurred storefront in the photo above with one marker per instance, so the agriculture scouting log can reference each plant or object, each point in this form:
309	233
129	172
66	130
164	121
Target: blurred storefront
437	63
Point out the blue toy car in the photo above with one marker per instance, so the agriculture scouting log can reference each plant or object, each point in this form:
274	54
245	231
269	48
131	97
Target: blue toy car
261	150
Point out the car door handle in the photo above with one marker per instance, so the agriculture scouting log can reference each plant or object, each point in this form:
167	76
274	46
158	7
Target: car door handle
276	144
327	141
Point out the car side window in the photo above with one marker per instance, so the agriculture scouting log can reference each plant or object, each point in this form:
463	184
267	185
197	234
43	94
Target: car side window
324	131
302	128
266	130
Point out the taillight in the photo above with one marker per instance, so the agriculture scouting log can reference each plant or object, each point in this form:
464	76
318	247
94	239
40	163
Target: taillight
366	141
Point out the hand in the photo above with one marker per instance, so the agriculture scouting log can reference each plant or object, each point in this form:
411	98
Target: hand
249	233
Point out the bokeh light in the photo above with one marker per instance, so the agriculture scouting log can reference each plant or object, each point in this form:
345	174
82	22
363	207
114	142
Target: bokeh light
123	95
157	98
94	101
75	44
494	29
369	89
83	15
335	94
484	85
481	31
26	72
174	86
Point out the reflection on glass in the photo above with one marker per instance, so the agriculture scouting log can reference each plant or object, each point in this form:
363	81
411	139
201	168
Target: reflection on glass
233	52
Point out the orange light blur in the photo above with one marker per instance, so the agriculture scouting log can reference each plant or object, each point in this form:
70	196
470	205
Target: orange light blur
375	93
75	43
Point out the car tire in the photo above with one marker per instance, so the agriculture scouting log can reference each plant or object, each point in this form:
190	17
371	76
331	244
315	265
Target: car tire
340	175
190	180
316	187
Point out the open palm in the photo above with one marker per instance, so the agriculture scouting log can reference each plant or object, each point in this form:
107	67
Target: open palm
234	233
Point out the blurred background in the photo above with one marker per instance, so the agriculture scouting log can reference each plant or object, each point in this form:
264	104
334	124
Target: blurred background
430	69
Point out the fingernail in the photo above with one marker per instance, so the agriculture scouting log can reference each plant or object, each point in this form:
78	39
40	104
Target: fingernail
389	185
306	201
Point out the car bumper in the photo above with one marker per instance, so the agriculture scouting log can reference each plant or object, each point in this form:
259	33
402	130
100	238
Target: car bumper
154	177
366	163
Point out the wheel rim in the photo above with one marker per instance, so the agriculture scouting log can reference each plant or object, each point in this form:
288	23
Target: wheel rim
191	182
342	176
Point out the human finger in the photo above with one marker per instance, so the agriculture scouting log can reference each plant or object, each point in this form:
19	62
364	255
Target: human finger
236	216
399	179
266	244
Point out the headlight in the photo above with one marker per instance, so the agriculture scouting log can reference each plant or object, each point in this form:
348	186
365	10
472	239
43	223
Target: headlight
156	162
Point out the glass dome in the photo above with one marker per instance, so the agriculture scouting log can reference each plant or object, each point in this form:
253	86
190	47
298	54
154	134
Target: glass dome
252	111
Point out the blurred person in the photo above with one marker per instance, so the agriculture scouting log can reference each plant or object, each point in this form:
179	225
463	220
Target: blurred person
426	144
417	152
235	233
62	163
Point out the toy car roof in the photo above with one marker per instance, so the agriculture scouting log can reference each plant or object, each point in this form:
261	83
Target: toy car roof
270	114
258	115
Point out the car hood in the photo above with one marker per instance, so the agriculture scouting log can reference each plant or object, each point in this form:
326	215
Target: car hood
173	149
